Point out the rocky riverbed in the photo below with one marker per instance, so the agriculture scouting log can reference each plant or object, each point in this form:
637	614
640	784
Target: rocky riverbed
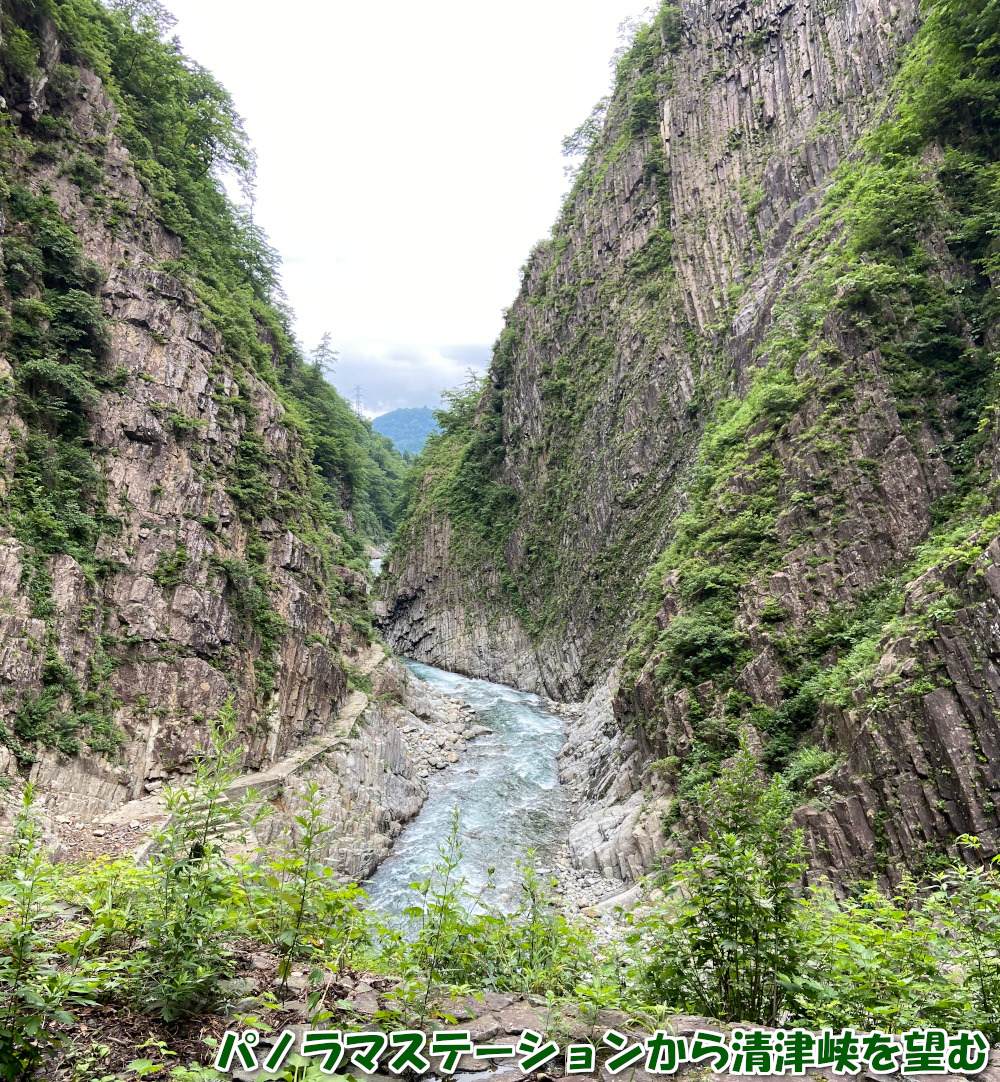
393	767
495	762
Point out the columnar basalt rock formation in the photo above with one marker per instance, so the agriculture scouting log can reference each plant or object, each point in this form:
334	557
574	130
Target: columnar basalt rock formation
756	105
723	453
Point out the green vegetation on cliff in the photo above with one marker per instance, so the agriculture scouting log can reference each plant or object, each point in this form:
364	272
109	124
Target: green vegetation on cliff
570	313
184	134
457	472
746	444
923	180
873	270
66	190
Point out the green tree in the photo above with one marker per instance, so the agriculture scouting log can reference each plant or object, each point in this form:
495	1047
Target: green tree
726	942
190	929
324	356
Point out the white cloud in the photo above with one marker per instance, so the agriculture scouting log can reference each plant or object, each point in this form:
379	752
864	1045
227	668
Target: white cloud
392	376
409	158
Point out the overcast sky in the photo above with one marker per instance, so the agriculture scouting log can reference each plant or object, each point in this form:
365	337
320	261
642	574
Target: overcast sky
409	157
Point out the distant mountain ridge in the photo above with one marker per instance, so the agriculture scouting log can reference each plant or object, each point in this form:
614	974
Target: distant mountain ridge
408	428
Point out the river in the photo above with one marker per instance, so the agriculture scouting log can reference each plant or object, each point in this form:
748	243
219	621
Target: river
506	789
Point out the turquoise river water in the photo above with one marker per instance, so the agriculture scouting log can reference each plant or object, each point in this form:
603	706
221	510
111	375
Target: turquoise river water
505	787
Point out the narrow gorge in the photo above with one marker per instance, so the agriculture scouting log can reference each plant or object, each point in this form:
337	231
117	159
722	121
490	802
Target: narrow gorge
695	593
731	475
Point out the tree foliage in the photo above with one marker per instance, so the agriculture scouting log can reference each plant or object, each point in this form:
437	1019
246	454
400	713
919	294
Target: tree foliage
185	137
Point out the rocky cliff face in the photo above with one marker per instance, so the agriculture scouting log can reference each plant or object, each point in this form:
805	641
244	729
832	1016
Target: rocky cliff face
165	544
646	306
737	443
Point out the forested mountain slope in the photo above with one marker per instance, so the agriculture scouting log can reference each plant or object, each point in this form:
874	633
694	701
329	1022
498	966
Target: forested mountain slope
184	501
407	428
735	461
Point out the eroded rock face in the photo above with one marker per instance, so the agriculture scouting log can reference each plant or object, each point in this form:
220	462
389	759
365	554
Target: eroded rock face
431	619
755	110
604	382
921	768
163	635
618	831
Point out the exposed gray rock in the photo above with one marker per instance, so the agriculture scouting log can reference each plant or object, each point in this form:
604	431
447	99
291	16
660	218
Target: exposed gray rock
742	108
757	108
165	651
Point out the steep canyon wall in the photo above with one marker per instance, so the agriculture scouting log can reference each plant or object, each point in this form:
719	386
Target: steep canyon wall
734	463
170	535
